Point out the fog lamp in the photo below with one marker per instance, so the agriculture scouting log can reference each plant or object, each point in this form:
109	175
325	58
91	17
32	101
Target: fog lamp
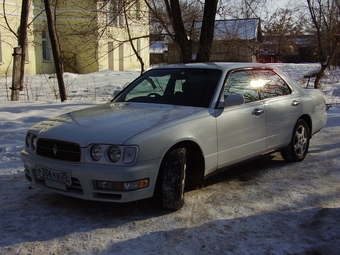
121	186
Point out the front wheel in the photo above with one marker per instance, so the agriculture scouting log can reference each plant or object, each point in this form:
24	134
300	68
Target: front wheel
298	147
173	171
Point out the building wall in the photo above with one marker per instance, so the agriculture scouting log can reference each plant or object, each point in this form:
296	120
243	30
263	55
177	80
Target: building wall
78	32
115	50
9	40
81	37
39	24
101	43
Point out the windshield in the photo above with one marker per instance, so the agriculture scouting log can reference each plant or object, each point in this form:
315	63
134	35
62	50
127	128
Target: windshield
190	87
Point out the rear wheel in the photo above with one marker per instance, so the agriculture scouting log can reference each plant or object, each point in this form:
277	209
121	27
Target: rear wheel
298	147
173	171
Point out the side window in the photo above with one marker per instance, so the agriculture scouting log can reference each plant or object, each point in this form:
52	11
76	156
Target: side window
272	85
256	85
242	82
178	88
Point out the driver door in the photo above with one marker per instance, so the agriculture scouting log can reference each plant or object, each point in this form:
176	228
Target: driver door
241	129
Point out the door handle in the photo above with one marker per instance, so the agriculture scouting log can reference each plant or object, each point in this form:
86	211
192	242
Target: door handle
257	112
295	103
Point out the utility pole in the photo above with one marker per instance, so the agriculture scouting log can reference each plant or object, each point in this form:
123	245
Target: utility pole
19	55
57	63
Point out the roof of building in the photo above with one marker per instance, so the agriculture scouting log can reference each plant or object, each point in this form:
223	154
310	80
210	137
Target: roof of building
158	47
245	29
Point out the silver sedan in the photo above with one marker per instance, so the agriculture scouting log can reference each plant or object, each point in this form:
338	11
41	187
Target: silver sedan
170	129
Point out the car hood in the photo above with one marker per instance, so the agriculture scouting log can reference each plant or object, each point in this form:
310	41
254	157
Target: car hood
110	122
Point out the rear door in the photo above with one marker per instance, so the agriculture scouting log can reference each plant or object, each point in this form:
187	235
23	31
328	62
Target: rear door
282	106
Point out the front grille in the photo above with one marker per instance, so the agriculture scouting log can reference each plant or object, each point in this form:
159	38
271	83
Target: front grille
59	150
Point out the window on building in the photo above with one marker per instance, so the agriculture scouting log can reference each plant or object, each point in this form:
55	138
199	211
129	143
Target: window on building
138	9
115	13
46	47
139	48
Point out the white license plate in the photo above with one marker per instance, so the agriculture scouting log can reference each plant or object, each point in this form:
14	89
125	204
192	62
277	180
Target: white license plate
62	176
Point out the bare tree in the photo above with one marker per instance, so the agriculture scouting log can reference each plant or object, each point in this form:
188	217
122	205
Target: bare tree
180	36
326	22
281	31
57	63
23	38
179	24
207	31
243	9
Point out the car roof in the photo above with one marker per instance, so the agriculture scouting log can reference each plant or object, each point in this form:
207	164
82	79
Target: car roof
225	66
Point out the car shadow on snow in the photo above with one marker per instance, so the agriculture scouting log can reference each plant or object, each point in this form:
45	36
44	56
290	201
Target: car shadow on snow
33	215
37	215
247	171
312	231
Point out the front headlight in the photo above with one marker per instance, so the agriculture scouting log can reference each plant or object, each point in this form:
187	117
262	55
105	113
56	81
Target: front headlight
34	142
31	141
114	153
28	140
96	152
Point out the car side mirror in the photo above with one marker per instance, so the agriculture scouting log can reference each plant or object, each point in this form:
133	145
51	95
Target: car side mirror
232	100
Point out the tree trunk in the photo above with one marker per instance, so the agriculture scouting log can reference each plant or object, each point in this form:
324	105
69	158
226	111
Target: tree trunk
19	66
181	38
325	65
57	62
207	31
334	40
25	8
16	73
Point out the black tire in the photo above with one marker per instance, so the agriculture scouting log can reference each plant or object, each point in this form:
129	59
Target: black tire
297	149
173	171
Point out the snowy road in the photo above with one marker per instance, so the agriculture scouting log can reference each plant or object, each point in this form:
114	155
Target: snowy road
264	207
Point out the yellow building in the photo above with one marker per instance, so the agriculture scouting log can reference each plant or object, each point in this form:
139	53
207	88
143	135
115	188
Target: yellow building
91	36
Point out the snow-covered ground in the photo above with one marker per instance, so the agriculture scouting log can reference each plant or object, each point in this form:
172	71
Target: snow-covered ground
264	207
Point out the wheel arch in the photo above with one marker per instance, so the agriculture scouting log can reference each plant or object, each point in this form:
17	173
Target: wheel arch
308	120
195	165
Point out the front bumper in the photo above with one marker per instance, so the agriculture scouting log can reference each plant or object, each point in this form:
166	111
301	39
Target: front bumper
83	175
